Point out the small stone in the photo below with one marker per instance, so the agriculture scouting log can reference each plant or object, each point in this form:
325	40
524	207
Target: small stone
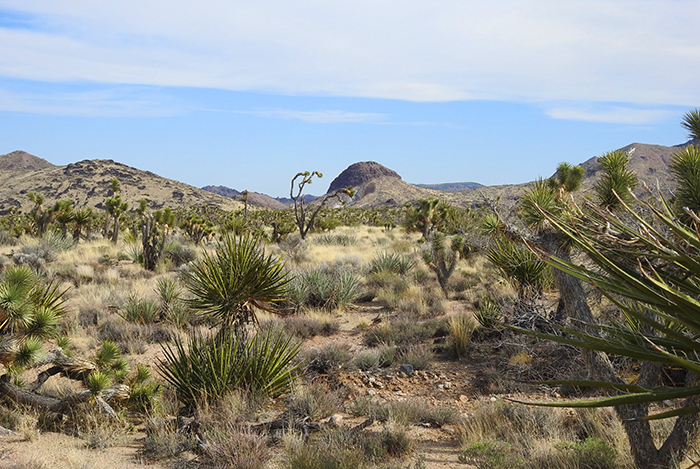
447	385
463	398
335	420
441	386
372	392
448	430
406	368
493	399
396	389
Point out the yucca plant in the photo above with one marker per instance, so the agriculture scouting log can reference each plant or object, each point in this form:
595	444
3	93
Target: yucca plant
519	266
392	262
650	269
237	278
210	367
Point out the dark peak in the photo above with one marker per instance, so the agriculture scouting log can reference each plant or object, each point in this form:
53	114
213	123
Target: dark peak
360	173
22	161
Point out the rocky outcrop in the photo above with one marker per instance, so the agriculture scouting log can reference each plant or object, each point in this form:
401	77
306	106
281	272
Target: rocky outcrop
358	174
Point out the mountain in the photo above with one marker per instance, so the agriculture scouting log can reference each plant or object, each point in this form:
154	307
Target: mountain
88	182
451	186
255	198
19	162
358	174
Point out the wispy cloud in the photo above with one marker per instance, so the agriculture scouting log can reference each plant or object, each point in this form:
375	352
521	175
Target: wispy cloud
111	102
321	117
534	50
612	115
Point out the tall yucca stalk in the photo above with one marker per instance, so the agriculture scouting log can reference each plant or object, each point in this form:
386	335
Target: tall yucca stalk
238	277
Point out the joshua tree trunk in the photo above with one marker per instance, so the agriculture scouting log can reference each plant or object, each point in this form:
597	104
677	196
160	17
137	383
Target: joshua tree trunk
644	450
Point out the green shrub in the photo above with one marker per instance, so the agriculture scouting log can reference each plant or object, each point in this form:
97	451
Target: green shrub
491	455
140	310
210	367
591	453
392	262
335	240
326	288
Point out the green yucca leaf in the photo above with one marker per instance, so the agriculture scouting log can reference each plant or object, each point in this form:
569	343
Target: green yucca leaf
108	353
28	352
143	374
97	382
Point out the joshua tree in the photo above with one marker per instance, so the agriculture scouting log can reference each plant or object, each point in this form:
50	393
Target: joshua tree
155	228
301	180
115	209
42	217
64	215
442	259
613	188
81	220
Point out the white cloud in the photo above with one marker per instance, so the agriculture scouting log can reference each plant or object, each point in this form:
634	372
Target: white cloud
614	115
321	117
627	51
122	101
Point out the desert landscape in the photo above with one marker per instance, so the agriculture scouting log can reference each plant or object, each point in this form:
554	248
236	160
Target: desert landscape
148	323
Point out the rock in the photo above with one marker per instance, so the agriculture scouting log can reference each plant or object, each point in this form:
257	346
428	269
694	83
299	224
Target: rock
447	385
406	369
463	398
335	420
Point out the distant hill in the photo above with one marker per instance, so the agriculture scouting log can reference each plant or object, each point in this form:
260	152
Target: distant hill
358	174
254	198
20	162
451	186
88	182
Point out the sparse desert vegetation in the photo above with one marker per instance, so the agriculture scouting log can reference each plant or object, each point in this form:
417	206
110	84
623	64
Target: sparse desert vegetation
404	337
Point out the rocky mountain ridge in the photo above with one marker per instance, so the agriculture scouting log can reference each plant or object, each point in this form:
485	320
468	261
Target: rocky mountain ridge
87	183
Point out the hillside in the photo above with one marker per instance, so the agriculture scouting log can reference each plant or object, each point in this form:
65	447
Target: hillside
88	182
254	198
451	186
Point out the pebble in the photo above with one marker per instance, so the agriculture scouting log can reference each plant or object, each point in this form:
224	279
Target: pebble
447	385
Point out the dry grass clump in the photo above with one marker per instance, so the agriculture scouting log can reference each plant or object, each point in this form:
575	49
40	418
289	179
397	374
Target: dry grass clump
347	449
313	402
328	358
407	412
502	435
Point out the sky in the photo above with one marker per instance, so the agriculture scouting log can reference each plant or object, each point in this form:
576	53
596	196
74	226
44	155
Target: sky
248	93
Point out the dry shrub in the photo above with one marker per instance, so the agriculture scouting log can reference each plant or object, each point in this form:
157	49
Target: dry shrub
313	402
507	435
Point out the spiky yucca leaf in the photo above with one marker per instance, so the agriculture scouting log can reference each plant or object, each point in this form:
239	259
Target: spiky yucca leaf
108	353
237	278
97	382
28	352
650	269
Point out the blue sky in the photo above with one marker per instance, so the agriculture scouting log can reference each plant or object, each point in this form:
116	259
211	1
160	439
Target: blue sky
247	93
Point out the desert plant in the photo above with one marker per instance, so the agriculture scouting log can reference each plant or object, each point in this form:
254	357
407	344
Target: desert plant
442	259
209	367
462	327
229	284
328	358
520	266
391	262
325	287
305	219
617	180
140	310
